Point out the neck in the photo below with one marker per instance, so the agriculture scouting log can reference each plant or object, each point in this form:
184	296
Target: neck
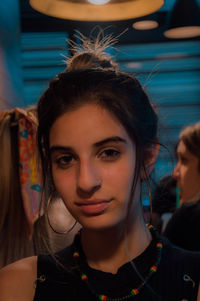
105	249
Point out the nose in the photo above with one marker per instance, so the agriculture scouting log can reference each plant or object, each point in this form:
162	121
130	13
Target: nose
176	172
88	179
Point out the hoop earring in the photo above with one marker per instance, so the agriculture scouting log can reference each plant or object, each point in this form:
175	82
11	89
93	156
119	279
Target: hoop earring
49	223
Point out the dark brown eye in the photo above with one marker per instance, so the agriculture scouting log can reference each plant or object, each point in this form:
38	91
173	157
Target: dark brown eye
110	154
64	161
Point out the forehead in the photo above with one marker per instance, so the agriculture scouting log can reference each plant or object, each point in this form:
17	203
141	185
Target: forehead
181	148
88	123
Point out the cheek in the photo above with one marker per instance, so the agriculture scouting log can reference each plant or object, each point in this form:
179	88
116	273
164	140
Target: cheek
120	178
183	172
187	174
126	180
64	183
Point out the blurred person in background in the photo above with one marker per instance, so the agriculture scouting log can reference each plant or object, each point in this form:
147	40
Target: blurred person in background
183	228
20	186
22	229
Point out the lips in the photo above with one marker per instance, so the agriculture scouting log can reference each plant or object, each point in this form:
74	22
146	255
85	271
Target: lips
91	207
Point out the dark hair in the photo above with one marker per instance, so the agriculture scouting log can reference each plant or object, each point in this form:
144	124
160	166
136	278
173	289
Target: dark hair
121	94
164	196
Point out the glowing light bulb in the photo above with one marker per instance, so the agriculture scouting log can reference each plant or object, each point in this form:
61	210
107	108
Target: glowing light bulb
98	2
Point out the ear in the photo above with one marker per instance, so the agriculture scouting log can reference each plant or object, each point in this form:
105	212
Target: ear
150	157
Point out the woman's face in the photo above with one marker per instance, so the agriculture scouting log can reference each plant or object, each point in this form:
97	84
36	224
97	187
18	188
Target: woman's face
187	174
93	162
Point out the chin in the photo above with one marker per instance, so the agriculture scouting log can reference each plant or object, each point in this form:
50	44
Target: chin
100	224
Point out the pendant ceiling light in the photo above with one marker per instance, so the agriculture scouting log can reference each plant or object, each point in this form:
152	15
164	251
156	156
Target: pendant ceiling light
183	20
146	23
96	10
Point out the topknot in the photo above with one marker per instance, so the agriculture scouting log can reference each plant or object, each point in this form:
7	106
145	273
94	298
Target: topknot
91	53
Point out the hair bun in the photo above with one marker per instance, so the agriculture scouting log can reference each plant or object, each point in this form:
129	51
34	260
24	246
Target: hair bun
91	54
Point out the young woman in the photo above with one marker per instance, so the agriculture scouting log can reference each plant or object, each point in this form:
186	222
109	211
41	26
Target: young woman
97	139
187	171
184	227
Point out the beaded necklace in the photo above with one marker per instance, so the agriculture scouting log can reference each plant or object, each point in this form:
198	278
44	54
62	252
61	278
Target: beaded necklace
134	291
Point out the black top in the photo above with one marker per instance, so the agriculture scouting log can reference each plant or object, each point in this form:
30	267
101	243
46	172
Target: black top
183	229
176	279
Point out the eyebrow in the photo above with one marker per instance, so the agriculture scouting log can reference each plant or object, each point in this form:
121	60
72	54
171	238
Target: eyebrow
62	148
110	139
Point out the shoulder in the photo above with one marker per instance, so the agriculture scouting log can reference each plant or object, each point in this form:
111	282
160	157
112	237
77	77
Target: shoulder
189	212
186	213
181	258
55	267
178	275
56	276
17	280
52	261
